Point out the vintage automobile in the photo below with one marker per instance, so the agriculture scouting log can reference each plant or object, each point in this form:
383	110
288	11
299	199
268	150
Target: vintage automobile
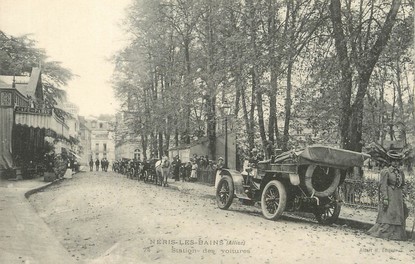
302	181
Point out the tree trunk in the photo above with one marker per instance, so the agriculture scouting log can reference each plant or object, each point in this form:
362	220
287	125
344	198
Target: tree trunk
260	111
176	136
187	88
382	111
144	140
248	123
351	129
288	103
346	73
253	46
272	11
211	86
401	125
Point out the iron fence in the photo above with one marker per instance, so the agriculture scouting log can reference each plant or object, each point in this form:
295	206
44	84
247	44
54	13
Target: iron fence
206	176
360	192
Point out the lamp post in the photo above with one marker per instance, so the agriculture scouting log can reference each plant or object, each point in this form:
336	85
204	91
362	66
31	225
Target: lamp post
226	111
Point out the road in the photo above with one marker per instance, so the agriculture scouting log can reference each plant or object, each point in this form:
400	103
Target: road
105	218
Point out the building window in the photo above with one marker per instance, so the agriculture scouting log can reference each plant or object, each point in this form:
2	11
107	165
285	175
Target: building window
97	147
100	125
105	147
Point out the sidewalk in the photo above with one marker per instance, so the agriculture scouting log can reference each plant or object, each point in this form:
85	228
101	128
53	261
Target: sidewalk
24	236
356	217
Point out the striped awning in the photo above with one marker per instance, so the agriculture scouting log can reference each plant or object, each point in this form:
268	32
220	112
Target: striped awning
41	118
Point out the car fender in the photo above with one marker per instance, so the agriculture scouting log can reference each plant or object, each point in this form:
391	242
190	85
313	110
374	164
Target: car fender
237	180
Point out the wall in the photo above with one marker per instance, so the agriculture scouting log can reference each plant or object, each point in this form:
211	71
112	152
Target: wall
202	150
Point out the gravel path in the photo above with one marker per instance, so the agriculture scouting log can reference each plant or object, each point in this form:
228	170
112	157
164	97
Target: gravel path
105	218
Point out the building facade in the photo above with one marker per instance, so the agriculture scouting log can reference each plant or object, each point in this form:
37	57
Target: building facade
102	139
85	151
29	128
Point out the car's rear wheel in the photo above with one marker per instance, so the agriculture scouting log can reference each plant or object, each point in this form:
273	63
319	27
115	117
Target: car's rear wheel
328	214
224	192
273	200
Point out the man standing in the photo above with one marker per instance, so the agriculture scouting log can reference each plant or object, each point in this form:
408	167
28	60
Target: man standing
97	164
176	167
91	165
104	164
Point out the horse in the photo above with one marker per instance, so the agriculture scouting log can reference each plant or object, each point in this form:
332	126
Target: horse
162	171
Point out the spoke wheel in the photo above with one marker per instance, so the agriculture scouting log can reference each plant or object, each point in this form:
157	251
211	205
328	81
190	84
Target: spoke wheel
224	192
273	200
329	213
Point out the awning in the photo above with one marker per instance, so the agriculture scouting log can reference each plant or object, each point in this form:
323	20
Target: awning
41	118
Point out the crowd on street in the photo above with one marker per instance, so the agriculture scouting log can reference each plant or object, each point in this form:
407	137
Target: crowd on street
177	170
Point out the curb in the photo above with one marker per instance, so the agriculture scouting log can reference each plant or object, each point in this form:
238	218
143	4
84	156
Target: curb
44	186
40	188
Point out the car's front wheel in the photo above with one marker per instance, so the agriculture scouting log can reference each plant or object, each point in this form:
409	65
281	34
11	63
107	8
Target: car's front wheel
224	192
273	200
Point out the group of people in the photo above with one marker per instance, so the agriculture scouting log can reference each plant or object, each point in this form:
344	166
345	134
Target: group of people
104	164
187	171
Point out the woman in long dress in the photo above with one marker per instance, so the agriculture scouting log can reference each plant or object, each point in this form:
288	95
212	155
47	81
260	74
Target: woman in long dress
390	222
193	174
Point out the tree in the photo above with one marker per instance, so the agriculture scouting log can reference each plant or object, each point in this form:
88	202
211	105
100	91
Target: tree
366	42
272	60
18	55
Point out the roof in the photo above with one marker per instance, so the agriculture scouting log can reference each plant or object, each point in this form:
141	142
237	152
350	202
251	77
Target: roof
26	85
31	87
82	126
6	81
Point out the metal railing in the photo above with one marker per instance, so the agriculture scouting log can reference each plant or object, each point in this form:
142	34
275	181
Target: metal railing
360	192
206	176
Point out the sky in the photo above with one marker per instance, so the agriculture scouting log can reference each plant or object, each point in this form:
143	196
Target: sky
82	34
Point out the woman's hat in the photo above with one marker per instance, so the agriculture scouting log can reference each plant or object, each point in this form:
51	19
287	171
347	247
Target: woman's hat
220	158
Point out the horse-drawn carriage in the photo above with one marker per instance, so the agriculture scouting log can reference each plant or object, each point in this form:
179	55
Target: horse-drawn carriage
305	181
149	171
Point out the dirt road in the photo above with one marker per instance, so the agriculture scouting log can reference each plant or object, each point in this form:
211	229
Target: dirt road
105	218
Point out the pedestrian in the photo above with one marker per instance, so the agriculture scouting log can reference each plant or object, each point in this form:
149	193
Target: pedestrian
392	211
97	164
188	170
105	165
219	166
203	162
211	166
91	165
193	174
183	171
176	167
